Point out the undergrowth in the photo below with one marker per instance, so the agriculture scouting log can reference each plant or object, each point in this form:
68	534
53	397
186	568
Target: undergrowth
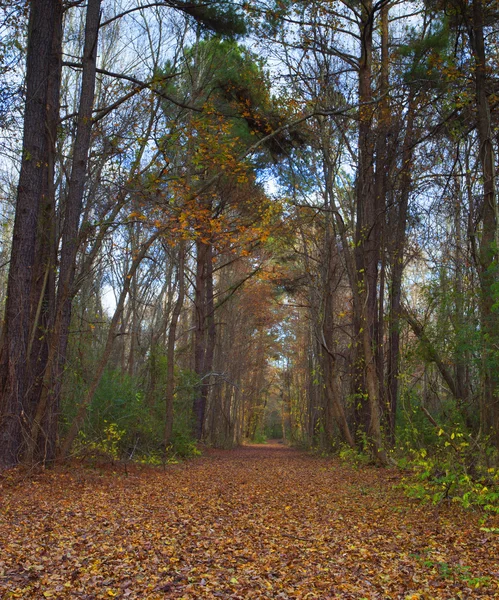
453	471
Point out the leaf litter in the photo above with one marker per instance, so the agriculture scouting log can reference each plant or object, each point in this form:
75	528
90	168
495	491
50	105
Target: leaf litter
255	522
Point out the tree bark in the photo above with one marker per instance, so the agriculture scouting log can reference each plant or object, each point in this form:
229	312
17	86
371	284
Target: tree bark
200	334
489	243
205	331
44	56
48	405
367	242
381	189
170	348
397	264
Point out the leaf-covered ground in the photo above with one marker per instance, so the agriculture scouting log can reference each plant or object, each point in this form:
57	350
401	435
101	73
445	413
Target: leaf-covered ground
257	522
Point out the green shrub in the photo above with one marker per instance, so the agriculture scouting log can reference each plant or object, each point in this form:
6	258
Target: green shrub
259	437
183	442
353	456
122	423
457	470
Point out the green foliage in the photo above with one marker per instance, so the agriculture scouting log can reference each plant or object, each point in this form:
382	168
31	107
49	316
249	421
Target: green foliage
183	442
224	79
452	462
259	437
455	470
125	423
413	429
221	18
108	444
427	56
119	422
354	456
273	428
455	571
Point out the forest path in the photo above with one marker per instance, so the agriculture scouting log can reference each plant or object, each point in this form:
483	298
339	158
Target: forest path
257	522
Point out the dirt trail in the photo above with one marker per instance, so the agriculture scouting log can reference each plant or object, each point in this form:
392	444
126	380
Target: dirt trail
256	522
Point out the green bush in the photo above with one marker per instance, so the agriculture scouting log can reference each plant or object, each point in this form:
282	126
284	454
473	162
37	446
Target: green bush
183	442
122	423
457	470
354	456
259	437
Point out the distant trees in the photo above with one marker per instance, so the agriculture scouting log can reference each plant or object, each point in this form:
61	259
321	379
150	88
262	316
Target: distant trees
229	213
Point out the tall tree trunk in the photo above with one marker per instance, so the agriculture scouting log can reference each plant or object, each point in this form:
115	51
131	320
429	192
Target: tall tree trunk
334	407
397	264
134	317
461	357
367	240
381	190
46	417
170	348
334	410
210	338
202	250
489	240
35	182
